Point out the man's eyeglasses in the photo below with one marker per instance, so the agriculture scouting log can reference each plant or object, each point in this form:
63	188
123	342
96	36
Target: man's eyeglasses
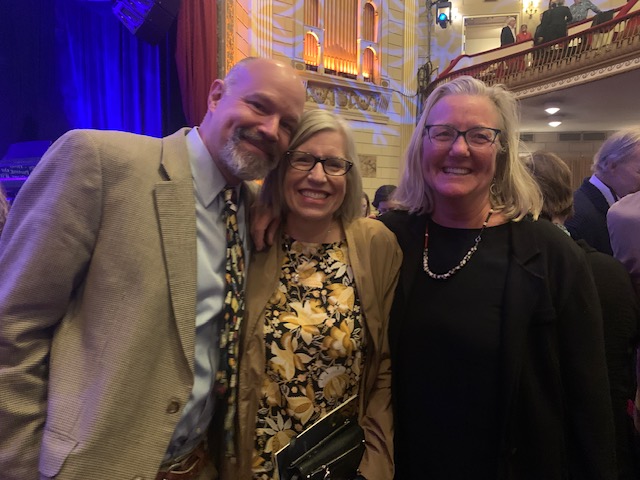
304	161
446	135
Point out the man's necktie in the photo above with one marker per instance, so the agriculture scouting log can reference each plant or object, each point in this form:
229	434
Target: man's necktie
233	311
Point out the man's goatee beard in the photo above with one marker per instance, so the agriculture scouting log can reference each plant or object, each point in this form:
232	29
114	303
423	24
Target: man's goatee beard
246	165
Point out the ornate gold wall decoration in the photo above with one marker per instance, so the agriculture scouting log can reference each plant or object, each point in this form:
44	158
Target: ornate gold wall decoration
368	165
230	32
348	98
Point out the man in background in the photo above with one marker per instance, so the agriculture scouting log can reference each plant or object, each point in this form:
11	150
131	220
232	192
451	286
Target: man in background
113	283
382	199
508	33
555	20
616	173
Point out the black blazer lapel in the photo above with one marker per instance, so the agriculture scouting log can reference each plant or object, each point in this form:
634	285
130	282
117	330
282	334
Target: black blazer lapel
524	284
409	230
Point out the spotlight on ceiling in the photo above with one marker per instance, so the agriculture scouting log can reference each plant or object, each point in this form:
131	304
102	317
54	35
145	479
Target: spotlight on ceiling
555	123
551	108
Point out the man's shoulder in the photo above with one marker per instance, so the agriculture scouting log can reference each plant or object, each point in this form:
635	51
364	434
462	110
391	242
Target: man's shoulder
88	134
116	137
106	143
121	148
588	191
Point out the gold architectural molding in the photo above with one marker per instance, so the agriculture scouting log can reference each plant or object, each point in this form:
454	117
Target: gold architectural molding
580	78
230	33
353	100
262	28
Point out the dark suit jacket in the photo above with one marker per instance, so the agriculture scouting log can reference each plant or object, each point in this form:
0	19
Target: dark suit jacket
554	22
621	317
538	36
506	37
557	421
589	221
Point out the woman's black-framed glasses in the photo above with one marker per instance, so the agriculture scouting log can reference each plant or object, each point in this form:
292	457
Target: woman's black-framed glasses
476	137
304	161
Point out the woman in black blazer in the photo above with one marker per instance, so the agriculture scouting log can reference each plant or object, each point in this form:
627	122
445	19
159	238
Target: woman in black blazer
496	338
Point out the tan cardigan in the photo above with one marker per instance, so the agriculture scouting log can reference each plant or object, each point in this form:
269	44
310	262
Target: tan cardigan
375	259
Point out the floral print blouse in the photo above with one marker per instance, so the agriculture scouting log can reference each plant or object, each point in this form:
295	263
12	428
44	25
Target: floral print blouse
314	341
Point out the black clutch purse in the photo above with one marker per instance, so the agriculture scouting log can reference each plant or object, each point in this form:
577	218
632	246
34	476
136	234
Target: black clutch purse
331	448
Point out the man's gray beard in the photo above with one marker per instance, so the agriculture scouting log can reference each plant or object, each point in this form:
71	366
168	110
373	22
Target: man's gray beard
243	164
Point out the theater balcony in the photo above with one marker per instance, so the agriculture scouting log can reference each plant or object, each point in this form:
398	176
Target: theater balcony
600	63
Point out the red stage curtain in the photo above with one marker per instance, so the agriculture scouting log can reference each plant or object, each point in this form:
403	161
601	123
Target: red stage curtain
196	55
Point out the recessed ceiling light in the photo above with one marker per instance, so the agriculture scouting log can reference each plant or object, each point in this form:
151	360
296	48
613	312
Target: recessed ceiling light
552	110
555	123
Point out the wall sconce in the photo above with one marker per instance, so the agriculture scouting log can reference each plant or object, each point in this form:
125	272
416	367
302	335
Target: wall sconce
531	9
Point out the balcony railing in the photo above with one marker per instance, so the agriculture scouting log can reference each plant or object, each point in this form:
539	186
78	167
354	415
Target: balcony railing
585	49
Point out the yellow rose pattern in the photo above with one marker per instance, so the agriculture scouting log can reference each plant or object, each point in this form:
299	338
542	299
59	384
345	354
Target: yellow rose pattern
314	346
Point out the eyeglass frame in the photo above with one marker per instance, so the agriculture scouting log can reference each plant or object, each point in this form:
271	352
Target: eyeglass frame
463	134
321	160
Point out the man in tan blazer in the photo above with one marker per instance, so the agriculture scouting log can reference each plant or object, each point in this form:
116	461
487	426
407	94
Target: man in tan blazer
111	284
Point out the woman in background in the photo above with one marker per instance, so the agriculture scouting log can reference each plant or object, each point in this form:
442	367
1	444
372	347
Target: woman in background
496	335
366	205
620	311
318	303
524	35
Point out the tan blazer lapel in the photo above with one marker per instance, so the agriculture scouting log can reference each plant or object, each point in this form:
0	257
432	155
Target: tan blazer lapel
177	220
264	273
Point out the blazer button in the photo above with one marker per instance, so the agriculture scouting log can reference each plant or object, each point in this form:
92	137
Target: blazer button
173	407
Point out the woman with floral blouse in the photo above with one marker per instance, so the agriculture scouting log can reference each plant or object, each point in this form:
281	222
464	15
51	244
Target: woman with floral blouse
318	302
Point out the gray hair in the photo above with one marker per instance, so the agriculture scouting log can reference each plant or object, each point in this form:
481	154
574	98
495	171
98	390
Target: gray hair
313	122
617	149
515	193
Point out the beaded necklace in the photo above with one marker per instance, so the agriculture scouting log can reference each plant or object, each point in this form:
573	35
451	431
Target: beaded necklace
463	262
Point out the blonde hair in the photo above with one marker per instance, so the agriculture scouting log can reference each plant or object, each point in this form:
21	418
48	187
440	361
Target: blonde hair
514	192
